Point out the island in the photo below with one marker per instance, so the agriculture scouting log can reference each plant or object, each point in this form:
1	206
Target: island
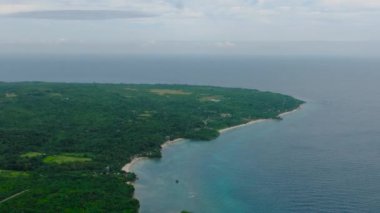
63	145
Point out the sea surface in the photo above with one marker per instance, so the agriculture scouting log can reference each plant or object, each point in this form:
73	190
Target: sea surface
324	157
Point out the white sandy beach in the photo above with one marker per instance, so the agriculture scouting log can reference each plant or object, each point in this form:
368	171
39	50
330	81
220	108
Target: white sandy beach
287	113
241	125
168	143
128	167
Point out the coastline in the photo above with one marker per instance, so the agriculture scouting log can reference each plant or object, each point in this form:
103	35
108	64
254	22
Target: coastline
287	113
168	143
257	121
129	167
241	125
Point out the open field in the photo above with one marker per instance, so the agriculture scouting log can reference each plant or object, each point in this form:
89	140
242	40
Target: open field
65	158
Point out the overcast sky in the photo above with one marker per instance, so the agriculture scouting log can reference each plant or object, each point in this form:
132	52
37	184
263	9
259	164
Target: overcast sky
144	25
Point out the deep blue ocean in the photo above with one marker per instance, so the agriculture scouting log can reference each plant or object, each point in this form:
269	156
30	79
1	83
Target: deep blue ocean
322	158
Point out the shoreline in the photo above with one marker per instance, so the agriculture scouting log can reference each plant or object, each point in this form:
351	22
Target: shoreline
129	166
168	143
289	112
241	125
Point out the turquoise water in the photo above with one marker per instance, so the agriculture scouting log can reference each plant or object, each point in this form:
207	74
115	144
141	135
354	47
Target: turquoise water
322	158
287	166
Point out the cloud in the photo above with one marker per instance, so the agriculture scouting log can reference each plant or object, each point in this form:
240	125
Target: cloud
221	23
351	3
12	8
179	4
80	14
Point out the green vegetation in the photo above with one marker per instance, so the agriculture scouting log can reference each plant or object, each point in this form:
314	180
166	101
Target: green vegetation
211	98
12	174
66	143
32	154
169	92
10	95
65	158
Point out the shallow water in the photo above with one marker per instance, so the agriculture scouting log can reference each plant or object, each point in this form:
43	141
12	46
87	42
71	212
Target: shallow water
322	158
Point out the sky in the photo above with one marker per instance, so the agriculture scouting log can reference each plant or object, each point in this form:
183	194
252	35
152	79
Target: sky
143	26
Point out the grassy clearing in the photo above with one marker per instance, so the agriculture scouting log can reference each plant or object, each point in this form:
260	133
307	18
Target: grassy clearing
146	114
10	95
66	158
131	89
55	94
12	174
32	154
169	92
211	98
